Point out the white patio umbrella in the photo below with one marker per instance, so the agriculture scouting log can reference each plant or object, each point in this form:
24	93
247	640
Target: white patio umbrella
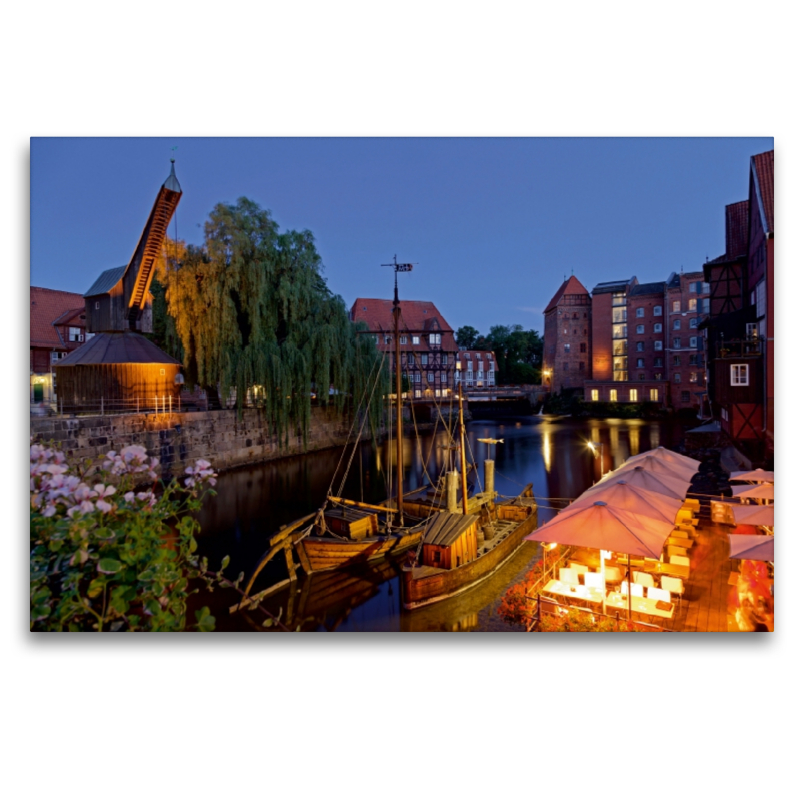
599	526
754	515
758	475
670	485
657	466
624	496
759	491
753	547
667	456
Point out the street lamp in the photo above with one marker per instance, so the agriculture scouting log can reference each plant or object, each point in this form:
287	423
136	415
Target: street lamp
593	446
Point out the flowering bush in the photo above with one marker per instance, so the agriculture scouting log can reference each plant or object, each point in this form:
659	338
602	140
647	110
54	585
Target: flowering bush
109	555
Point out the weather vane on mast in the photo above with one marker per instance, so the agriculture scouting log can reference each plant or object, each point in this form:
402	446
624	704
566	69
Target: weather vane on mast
398	268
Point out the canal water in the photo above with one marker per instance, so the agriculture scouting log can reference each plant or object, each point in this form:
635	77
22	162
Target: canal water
252	503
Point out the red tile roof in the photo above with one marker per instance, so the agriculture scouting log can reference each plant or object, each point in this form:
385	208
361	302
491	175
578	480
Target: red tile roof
736	218
570	286
763	169
416	316
47	305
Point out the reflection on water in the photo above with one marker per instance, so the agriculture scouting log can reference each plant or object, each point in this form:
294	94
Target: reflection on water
254	502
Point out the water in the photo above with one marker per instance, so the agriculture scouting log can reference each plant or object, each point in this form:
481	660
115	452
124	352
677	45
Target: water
253	502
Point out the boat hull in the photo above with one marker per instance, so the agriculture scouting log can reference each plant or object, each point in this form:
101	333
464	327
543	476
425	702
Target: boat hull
423	586
322	553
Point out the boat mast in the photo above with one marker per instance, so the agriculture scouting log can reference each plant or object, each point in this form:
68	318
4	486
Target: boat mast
398	383
463	453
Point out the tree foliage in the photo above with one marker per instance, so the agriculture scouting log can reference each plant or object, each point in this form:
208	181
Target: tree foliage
250	312
467	336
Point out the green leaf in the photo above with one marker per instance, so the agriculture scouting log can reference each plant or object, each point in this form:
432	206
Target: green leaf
109	566
268	623
225	562
96	587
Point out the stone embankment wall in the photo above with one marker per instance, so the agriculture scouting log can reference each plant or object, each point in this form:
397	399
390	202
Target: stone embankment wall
178	439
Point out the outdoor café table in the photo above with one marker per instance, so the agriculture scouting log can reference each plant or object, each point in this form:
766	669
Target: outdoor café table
640	605
585	593
660	568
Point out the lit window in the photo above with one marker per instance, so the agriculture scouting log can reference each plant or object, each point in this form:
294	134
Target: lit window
438	393
692	377
659	376
634	395
458	365
612	395
693	304
740	374
417	393
654	395
658	345
676	306
657	311
639	312
595	394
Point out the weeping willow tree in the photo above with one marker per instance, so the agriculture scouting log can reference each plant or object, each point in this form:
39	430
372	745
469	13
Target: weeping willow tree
249	312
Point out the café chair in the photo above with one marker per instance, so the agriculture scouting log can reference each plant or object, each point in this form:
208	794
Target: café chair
581	569
653	593
643	578
673	585
613	574
672	550
594	580
566	575
637	590
681	561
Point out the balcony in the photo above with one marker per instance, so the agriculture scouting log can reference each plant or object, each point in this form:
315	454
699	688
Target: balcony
739	348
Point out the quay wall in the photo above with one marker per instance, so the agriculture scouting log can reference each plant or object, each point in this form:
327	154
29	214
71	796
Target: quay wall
178	439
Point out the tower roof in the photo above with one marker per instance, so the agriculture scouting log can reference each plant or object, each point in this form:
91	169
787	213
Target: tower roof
127	347
763	169
570	286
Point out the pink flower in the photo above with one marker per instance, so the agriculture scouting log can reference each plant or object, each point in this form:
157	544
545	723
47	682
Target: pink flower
129	496
103	506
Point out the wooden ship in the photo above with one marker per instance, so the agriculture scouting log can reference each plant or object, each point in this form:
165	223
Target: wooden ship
346	533
118	368
460	550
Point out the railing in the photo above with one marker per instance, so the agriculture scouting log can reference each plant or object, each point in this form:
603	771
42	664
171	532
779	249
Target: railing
619	620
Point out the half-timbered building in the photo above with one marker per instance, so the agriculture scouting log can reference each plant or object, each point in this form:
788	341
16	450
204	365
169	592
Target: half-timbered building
428	349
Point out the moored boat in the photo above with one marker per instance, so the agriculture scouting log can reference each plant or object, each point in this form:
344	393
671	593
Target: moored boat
460	550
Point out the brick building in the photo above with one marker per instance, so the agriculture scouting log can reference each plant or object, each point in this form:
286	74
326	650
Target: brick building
687	301
57	327
568	337
476	368
645	343
739	331
428	349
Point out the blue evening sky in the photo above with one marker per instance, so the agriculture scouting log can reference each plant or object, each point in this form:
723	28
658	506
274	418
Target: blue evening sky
493	224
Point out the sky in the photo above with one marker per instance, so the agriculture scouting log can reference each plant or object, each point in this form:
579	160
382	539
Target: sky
492	225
